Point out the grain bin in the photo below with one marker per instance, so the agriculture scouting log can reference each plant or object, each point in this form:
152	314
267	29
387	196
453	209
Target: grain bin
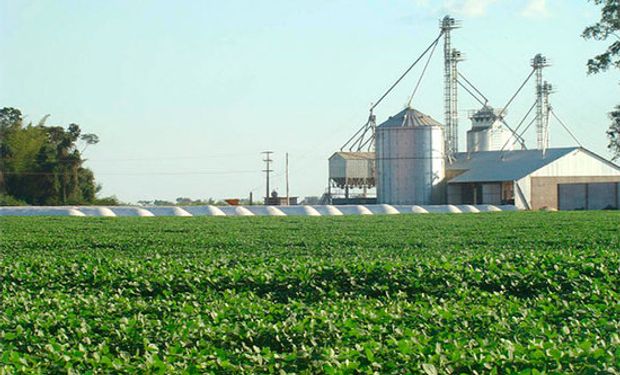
487	132
410	157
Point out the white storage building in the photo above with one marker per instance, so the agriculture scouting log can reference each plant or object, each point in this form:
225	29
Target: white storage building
563	178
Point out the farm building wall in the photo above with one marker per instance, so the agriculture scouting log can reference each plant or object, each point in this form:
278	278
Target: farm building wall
523	193
545	191
580	166
579	163
455	194
540	188
494	193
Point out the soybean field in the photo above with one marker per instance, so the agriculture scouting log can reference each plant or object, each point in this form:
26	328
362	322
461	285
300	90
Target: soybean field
525	293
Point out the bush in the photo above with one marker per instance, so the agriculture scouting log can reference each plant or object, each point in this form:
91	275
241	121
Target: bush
7	200
107	201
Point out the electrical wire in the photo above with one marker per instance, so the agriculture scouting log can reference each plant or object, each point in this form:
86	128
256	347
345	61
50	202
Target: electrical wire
156	158
28	173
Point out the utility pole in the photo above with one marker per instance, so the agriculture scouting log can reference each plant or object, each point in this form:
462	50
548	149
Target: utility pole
288	203
267	171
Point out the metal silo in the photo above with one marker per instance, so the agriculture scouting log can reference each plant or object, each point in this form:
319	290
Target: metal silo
410	152
487	132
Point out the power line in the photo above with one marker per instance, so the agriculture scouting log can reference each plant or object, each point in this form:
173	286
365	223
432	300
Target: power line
156	158
31	173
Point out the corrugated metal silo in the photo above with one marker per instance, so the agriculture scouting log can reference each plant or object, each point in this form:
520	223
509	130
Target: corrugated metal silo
410	152
487	132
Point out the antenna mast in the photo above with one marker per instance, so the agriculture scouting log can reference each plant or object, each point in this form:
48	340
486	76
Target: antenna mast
451	59
539	62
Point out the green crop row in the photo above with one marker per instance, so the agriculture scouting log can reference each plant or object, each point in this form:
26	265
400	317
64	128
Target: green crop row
484	293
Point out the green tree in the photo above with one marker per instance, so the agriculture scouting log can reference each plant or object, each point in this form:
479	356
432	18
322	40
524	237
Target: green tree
614	132
10	119
21	161
161	202
41	164
607	28
182	201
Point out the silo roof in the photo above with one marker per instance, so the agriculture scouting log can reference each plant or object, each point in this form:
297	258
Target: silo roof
350	155
494	166
409	117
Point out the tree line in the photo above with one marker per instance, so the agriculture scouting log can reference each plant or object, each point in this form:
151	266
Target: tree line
183	201
43	165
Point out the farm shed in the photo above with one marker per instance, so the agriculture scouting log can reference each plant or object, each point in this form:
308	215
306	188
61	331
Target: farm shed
352	169
561	178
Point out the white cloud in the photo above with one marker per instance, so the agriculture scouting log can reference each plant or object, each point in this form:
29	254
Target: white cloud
535	8
472	8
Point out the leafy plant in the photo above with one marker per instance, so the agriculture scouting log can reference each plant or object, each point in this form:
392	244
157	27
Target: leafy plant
488	293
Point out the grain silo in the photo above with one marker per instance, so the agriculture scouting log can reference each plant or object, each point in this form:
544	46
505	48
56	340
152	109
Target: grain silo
410	157
487	132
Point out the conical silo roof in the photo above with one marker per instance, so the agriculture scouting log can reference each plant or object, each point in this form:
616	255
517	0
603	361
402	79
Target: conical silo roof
409	117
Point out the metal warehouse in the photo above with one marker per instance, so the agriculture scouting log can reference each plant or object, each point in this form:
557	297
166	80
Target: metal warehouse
564	178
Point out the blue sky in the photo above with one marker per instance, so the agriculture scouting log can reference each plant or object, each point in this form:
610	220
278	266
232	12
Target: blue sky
185	95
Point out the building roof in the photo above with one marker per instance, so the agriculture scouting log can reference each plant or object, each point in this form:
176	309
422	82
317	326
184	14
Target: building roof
492	166
409	117
350	155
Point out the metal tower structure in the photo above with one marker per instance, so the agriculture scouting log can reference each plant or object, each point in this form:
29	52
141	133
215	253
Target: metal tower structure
451	58
453	134
539	62
547	90
364	138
